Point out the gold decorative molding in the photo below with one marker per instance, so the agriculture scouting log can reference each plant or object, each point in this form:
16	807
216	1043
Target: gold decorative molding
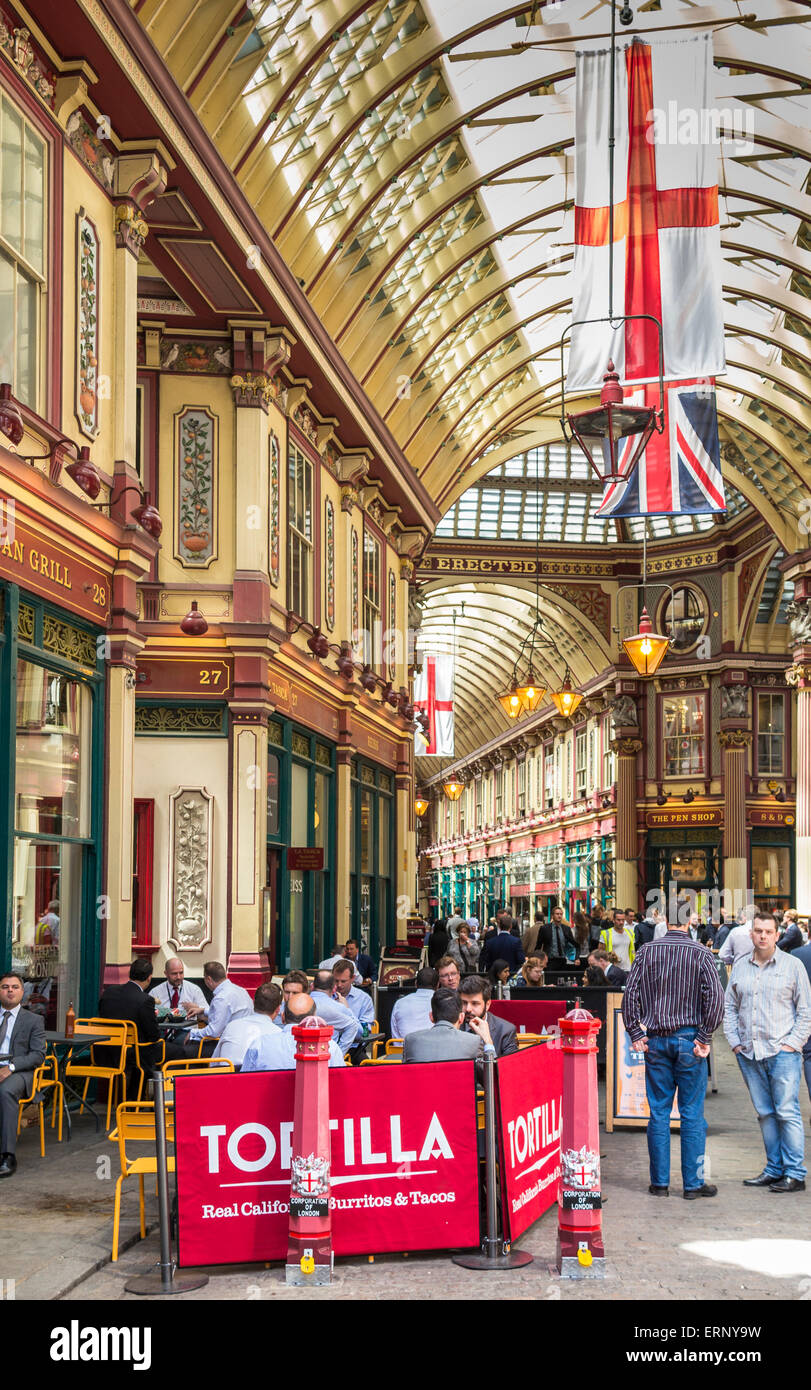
734	738
799	675
626	747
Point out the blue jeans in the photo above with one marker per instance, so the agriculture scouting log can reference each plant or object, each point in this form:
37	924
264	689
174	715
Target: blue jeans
671	1065
774	1085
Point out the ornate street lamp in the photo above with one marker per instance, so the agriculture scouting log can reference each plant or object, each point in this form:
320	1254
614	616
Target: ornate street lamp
566	699
421	805
646	649
453	789
619	431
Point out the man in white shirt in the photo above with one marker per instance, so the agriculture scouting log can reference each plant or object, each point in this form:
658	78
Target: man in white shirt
175	990
275	1050
240	1033
332	961
341	1019
413	1011
228	1001
738	943
355	999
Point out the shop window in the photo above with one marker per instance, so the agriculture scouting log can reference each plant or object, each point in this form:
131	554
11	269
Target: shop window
273	794
299	533
771	733
609	766
499	791
372	627
142	857
591	779
684	735
520	791
549	777
771	872
478	788
22	252
52	782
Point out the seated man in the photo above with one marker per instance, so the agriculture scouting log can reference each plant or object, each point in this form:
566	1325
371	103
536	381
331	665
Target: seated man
332	961
240	1033
295	982
413	1011
614	976
361	962
443	1042
175	990
348	993
275	1050
449	974
132	1002
22	1048
346	1026
228	1001
476	991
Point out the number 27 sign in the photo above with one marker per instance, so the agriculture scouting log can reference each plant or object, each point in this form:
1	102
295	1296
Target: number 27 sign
198	676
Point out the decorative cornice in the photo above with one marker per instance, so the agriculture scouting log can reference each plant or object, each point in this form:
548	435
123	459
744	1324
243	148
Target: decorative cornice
734	738
626	747
799	675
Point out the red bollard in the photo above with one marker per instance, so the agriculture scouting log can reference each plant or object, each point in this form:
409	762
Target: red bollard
580	1253
309	1241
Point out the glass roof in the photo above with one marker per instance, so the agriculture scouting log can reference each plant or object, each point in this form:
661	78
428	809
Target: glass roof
507	505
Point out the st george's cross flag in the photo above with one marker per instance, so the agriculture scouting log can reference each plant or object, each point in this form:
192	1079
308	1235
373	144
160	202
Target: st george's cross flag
433	694
667	243
680	470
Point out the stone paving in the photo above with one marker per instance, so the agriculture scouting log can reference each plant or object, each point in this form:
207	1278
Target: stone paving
743	1245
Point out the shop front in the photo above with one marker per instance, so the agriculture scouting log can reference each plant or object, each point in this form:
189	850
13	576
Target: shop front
772	858
685	857
300	884
52	730
372	850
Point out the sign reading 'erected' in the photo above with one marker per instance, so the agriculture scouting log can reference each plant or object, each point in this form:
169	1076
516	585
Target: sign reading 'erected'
403	1170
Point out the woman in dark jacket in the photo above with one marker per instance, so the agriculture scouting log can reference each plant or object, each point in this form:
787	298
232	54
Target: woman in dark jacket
438	942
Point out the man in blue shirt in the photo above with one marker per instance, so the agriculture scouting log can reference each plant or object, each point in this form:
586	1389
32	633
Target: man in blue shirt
275	1050
355	999
413	1011
346	1025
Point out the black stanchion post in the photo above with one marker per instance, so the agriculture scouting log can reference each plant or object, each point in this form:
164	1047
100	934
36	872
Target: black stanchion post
166	1280
493	1253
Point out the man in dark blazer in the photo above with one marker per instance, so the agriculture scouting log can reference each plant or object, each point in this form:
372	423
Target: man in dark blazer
443	1042
132	1002
476	992
503	946
22	1048
555	937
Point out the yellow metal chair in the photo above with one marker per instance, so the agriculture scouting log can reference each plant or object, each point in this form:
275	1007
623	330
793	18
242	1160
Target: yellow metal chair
94	1070
135	1124
46	1078
527	1039
193	1066
200	1045
382	1061
394	1047
156	1053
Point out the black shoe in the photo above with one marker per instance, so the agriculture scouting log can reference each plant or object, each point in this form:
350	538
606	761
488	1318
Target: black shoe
782	1185
658	1191
8	1165
706	1191
763	1180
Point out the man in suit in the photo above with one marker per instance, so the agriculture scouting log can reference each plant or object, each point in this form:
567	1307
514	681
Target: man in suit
554	939
22	1048
803	954
503	946
132	1002
444	1042
361	962
475	992
612	974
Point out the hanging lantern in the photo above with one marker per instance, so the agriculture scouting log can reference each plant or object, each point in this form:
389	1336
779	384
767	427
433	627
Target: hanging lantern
453	790
85	475
318	644
11	421
530	692
511	702
618	431
646	649
420	805
194	623
566	699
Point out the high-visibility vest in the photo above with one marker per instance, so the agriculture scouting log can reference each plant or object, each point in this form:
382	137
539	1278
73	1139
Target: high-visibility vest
43	936
607	937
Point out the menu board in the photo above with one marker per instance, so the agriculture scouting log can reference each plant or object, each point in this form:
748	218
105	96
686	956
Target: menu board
626	1103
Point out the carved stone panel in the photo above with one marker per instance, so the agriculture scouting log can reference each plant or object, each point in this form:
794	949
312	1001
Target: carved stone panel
190	863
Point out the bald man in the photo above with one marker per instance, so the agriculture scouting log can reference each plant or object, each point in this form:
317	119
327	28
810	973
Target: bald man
276	1049
175	991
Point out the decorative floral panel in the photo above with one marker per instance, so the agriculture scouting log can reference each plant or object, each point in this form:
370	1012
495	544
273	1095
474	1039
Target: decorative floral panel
273	512
190	868
355	587
195	486
87	325
329	607
162	720
392	640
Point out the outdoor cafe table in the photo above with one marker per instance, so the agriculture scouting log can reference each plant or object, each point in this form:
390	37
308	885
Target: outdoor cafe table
80	1042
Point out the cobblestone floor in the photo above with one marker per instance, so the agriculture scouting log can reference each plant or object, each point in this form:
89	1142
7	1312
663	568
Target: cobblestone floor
743	1245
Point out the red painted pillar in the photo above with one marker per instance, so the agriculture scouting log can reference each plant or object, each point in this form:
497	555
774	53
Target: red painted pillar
309	1243
580	1253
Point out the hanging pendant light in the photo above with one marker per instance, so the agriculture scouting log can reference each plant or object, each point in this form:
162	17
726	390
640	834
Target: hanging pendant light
511	701
453	789
420	805
646	650
530	692
618	431
566	699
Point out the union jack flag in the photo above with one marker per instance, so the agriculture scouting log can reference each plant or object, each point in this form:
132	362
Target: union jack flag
680	470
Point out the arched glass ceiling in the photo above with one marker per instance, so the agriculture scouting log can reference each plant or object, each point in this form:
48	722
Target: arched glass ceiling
412	160
508	505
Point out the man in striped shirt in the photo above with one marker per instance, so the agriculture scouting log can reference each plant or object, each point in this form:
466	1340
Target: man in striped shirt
767	1021
672	1006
